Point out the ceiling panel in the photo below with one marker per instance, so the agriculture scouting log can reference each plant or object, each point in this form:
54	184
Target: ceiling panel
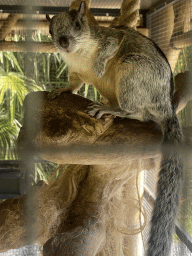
145	4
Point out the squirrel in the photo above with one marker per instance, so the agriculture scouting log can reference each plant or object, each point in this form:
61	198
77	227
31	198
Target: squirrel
133	74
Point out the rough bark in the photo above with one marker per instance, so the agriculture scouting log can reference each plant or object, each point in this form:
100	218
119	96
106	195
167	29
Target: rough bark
61	131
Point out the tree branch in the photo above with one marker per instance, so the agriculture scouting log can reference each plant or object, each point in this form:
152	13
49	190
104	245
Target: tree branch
59	130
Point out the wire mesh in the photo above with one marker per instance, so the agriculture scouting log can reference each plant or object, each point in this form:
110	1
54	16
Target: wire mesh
48	71
172	23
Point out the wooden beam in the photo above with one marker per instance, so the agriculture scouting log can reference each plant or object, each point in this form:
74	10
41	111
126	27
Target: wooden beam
29	46
8	25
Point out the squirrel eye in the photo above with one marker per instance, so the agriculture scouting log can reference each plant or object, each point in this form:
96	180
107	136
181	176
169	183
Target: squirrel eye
77	25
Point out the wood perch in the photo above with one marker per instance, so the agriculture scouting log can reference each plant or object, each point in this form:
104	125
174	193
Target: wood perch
65	123
91	141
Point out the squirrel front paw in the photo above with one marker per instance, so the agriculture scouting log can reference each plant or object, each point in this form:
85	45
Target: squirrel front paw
99	69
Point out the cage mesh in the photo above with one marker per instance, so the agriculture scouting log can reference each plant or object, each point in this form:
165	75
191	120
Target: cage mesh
169	26
169	22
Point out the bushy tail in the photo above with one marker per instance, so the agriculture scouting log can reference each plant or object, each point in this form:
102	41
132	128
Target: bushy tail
168	191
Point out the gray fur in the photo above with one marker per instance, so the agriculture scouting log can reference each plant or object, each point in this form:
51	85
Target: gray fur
106	52
168	190
134	75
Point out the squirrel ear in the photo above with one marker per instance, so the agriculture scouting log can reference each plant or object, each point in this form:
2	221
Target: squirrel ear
48	18
82	8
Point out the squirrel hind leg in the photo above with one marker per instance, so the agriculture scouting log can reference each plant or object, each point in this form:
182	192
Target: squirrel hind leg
99	109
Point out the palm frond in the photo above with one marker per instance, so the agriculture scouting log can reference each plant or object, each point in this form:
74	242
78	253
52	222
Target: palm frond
13	60
8	135
61	69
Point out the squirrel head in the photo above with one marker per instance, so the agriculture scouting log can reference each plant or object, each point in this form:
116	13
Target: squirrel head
69	29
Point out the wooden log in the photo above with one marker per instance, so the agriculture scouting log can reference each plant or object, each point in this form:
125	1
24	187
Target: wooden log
61	131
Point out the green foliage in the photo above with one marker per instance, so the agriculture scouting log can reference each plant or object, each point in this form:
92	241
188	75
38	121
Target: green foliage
89	92
13	89
8	136
21	73
16	82
184	62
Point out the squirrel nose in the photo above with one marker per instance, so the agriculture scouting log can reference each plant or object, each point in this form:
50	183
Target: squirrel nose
64	41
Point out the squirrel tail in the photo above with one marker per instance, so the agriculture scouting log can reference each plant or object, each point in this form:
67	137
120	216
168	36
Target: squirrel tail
168	190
